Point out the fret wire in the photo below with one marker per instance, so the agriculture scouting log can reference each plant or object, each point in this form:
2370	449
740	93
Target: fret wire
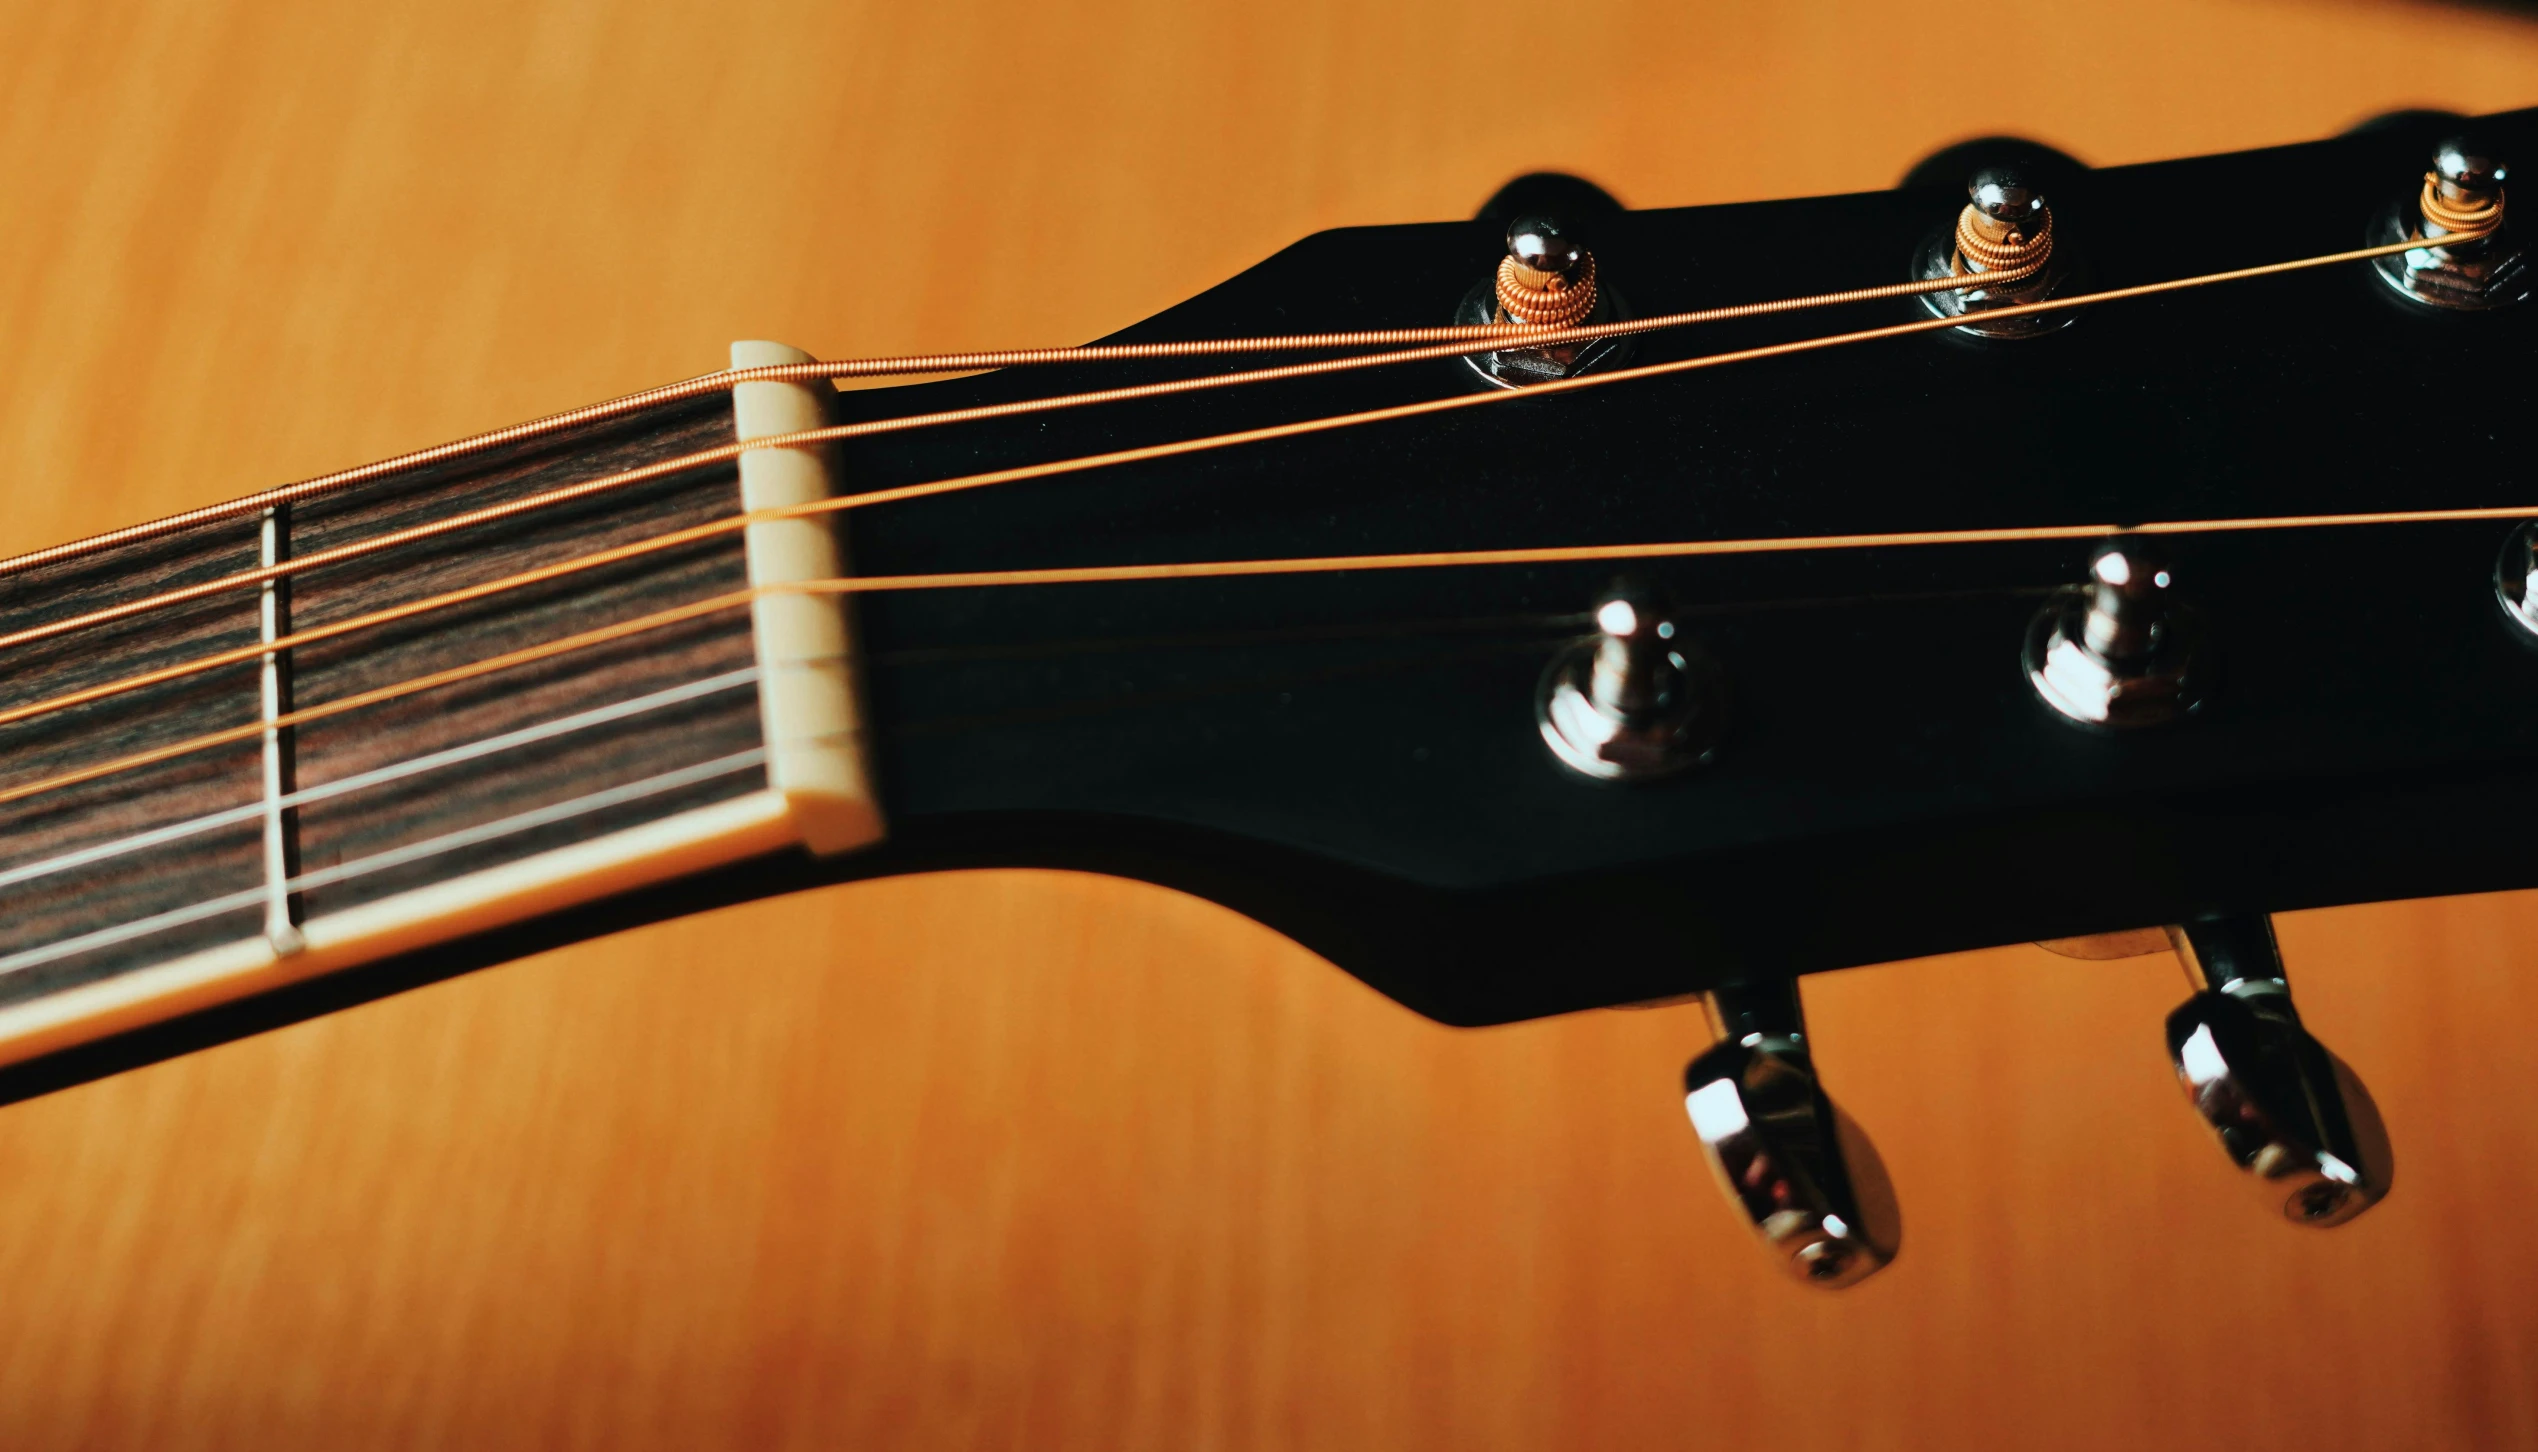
335	630
358	549
281	925
636	791
380	776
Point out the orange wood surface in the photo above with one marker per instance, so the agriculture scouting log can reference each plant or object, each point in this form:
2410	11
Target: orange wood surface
1035	1160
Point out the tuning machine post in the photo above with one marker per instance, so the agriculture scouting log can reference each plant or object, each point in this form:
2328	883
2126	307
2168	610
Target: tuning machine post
2463	192
1793	1164
1637	699
2121	651
1548	279
2005	228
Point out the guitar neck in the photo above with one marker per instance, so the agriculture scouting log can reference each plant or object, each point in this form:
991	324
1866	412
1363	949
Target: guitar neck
283	741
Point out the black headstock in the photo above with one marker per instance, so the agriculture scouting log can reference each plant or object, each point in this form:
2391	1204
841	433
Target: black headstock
1355	759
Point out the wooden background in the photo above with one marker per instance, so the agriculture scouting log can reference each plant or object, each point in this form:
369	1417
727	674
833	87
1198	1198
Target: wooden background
1034	1160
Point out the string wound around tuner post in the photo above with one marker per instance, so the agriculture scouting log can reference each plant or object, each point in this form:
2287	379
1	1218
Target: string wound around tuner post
1548	280
2005	231
2471	260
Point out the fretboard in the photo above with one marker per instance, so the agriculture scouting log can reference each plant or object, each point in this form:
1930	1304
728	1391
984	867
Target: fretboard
555	733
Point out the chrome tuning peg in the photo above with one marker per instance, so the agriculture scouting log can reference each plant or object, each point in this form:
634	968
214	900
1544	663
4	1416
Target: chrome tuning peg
1804	1175
2287	1111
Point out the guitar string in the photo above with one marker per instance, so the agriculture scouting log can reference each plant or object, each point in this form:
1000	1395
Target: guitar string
508	660
1049	576
980	413
512	509
378	862
1052	468
1531	335
395	771
1223	569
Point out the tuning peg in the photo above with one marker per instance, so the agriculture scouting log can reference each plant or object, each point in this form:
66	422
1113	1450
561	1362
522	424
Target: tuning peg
2005	227
2463	192
1547	279
2287	1111
2121	650
1635	700
1797	1167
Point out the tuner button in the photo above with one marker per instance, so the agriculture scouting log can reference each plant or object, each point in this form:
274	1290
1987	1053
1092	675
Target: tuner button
1798	1169
1637	699
1537	244
2286	1110
2002	194
2120	650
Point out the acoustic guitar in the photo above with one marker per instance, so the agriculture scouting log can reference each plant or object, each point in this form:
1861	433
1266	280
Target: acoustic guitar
1573	607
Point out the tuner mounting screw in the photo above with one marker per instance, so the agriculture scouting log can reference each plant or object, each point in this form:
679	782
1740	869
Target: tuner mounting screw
1547	279
1637	699
2119	651
2004	227
1800	1170
2463	192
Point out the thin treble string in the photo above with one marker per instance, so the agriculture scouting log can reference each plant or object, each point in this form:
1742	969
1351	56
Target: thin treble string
508	660
1678	549
981	413
800	372
1148	453
395	771
709	383
1221	569
377	862
586	489
1530	334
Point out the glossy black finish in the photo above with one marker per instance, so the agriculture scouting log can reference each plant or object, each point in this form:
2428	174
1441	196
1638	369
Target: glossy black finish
1354	759
1351	758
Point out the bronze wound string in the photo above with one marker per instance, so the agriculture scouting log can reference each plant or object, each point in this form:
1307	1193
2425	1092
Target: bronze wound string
666	468
1529	334
1188	570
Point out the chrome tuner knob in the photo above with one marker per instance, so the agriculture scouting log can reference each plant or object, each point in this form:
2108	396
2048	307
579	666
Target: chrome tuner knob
2004	227
2119	651
1547	279
2287	1111
2463	192
1637	699
1799	1169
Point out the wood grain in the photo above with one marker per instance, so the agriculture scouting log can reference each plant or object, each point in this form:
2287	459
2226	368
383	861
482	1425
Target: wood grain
76	924
1024	1159
366	823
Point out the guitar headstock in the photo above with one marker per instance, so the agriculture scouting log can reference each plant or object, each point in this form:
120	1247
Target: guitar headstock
2177	575
1359	757
2101	558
